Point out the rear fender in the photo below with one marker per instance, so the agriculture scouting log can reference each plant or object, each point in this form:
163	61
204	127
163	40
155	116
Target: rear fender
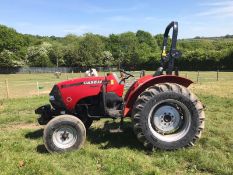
142	84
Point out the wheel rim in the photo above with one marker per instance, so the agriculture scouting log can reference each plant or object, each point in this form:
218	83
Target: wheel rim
169	120
65	137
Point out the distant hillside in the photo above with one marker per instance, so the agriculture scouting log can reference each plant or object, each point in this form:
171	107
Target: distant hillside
140	50
214	38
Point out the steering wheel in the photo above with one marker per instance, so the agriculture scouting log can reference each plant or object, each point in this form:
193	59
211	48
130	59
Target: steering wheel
125	78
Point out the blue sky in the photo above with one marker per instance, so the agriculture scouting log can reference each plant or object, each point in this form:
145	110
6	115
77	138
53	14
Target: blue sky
60	17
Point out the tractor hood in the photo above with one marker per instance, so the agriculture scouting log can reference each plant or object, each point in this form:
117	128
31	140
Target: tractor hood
74	90
80	81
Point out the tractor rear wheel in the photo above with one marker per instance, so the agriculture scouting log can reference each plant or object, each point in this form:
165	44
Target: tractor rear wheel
168	116
64	133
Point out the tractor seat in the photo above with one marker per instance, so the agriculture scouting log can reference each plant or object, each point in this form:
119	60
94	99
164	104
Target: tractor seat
113	100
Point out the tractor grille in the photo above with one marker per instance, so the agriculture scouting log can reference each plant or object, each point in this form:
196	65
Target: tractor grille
56	100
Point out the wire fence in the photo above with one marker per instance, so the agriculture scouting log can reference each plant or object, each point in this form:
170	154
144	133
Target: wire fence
28	85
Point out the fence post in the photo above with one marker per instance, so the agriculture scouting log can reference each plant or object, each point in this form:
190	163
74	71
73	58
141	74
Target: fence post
7	89
217	74
186	75
38	89
197	76
142	73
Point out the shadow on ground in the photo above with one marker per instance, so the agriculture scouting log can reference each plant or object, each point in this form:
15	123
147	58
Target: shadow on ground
41	149
37	134
34	134
108	136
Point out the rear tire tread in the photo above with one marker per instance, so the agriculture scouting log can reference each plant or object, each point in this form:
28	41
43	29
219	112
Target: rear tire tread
155	90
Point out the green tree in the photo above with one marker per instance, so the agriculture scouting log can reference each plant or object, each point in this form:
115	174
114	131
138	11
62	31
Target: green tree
38	56
9	59
147	47
90	50
56	55
10	39
71	39
145	37
107	59
71	57
128	47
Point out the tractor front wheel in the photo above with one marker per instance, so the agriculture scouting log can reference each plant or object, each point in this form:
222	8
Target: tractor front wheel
168	116
64	133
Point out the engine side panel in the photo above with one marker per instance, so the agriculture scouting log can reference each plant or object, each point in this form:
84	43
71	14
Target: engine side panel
139	86
72	91
76	89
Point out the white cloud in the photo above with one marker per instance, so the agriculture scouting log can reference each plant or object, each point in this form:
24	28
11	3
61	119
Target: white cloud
217	3
217	9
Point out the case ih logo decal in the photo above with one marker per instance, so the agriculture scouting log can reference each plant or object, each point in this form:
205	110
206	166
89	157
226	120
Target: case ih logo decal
93	82
82	83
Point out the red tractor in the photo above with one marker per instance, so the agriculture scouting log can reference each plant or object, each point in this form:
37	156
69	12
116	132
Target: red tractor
164	113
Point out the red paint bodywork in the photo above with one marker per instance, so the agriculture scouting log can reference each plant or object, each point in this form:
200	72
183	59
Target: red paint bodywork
73	94
75	90
139	86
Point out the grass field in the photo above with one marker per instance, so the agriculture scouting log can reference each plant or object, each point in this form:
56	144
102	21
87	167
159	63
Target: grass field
28	85
22	150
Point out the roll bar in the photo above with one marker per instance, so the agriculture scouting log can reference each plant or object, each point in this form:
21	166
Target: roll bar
173	25
167	59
